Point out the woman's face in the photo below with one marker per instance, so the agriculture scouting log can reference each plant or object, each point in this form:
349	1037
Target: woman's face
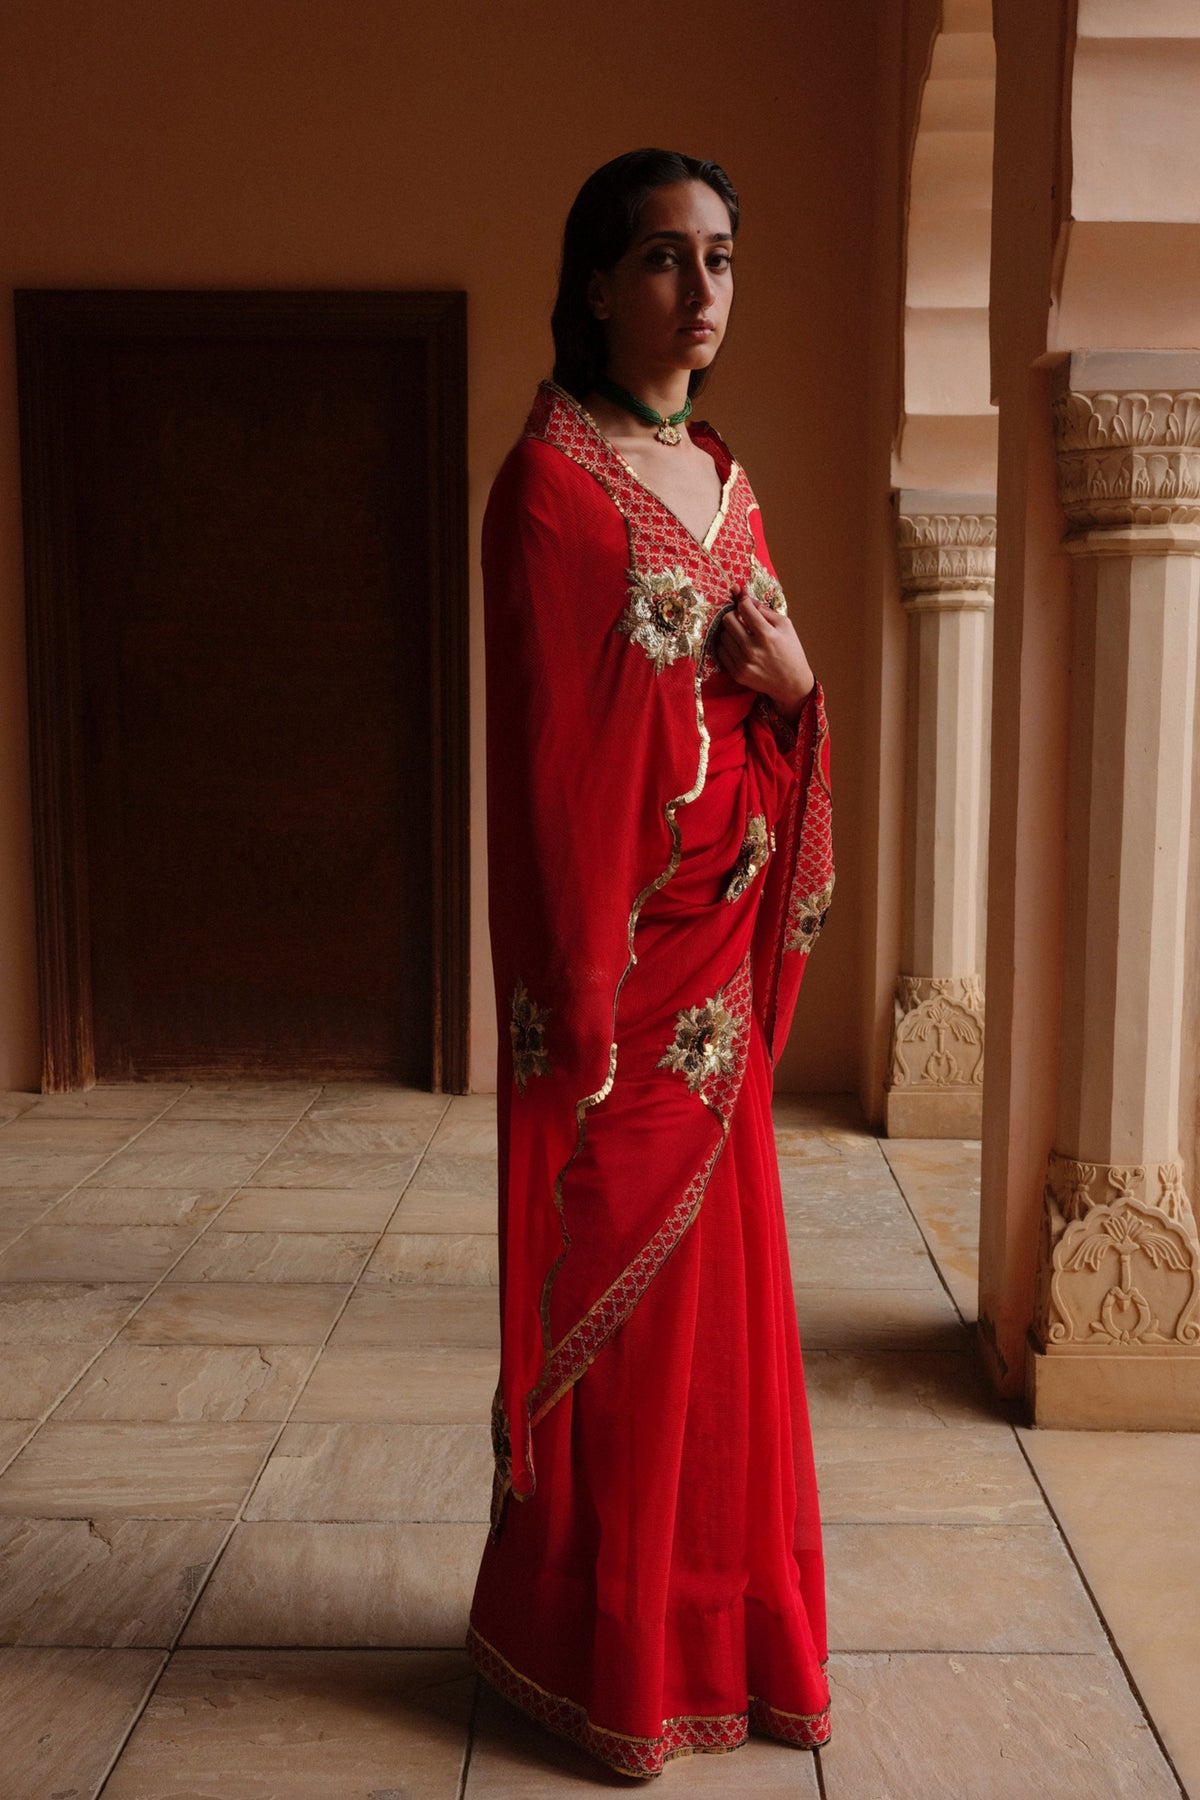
665	304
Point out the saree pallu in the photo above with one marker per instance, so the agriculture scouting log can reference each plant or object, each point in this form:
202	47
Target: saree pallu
660	865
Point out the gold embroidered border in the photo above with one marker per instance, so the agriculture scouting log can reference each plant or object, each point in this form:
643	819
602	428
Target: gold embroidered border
684	1735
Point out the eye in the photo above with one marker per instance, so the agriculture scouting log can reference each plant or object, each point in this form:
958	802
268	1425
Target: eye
720	259
661	257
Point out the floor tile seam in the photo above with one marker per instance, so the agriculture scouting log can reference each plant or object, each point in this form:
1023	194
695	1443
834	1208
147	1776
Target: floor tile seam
219	1552
319	1350
1110	1636
464	1773
135	1718
148	1295
968	1325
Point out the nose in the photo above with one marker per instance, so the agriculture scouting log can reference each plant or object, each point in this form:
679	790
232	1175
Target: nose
701	288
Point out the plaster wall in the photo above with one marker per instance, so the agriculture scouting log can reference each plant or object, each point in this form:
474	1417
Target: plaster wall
298	143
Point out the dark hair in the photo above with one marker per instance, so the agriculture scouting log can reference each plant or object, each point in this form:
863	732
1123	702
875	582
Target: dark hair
599	229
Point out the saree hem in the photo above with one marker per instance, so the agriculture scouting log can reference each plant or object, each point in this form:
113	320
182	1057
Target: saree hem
643	1757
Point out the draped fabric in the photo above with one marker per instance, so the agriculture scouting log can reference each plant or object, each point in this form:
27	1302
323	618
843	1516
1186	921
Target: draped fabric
660	864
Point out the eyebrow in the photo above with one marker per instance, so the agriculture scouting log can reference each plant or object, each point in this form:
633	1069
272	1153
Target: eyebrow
685	237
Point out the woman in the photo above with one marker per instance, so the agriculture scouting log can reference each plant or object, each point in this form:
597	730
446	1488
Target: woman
660	864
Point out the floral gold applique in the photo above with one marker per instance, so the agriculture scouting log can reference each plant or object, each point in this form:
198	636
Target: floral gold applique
763	586
704	1044
808	916
752	856
502	1457
666	615
527	1028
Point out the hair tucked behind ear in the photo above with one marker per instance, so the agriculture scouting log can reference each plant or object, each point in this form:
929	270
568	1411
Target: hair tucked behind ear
599	230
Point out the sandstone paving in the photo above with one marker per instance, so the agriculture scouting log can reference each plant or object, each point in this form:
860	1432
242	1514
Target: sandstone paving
940	1179
859	1318
64	1713
454	1174
284	1100
250	1136
34	1378
971	1476
432	1383
61	1169
95	1135
190	1382
136	1101
62	1312
302	1725
295	1167
310	1209
135	1469
405	1257
75	1252
222	1255
1128	1503
860	1258
958	1726
377	1583
915	1388
357	1137
238	1312
445	1210
135	1168
378	1471
467	1316
140	1206
379	1100
955	1587
103	1580
13	1434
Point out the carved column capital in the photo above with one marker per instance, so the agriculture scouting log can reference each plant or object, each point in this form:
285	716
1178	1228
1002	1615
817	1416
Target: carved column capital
937	1032
1127	436
1119	1267
946	549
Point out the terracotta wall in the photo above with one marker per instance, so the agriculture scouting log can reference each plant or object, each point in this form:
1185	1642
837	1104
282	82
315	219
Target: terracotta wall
233	143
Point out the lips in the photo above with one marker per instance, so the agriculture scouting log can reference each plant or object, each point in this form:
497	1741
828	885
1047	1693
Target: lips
699	328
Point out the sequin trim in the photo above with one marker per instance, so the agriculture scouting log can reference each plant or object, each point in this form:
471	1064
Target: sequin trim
684	1735
757	846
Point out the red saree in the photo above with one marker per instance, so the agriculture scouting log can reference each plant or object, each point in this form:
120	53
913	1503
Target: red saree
660	865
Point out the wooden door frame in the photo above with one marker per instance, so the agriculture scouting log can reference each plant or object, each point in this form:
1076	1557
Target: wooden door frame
50	322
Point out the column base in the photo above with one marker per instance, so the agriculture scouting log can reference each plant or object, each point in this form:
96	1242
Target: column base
1108	1391
931	1112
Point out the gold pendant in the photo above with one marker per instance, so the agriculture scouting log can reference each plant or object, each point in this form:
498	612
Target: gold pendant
666	433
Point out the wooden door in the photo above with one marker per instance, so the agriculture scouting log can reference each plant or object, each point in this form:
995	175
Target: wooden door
245	518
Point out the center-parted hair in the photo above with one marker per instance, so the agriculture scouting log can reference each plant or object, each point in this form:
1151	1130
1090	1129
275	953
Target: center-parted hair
599	230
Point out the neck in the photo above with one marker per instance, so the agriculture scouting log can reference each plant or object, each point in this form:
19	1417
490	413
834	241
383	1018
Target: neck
666	390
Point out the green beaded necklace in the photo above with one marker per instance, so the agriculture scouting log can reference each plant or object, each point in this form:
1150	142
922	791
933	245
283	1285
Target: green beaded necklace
666	433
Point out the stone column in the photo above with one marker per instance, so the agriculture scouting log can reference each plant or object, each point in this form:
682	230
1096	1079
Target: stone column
947	559
1116	1334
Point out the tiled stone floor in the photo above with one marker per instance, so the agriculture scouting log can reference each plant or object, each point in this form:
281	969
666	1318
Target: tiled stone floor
248	1341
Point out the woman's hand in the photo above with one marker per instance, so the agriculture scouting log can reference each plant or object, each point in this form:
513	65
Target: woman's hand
759	647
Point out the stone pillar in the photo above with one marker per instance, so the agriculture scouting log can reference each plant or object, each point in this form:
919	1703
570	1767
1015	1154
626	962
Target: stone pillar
947	558
1116	1332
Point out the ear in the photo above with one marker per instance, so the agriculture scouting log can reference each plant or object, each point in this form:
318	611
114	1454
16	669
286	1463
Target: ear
597	299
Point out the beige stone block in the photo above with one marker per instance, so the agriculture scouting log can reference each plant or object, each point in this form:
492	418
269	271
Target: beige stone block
141	1253
136	1168
309	1209
273	1256
81	1136
301	1725
358	1137
13	1433
467	1130
64	1713
101	1580
237	1312
1108	1390
955	1587
1126	1502
933	1112
941	1184
250	1137
970	1727
379	1170
820	1113
445	1174
876	1318
58	1312
13	1102
246	1100
858	1258
915	1388
378	1101
293	1584
20	1207
137	1100
59	1169
970	1476
190	1382
141	1206
424	1212
347	1472
431	1383
513	1757
397	1316
163	1471
404	1257
33	1379
811	1210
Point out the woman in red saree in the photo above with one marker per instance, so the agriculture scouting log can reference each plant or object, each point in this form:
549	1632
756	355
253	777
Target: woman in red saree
660	865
